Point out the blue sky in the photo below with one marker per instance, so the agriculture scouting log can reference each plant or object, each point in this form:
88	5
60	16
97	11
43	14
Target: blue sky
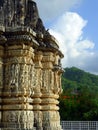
88	10
74	24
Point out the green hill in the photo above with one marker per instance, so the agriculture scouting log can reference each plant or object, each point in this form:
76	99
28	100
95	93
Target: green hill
74	78
79	100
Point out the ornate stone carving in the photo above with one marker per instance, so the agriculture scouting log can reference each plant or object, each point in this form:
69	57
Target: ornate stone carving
1	75
2	16
30	69
37	91
50	93
18	119
49	118
32	15
8	12
1	78
20	12
38	119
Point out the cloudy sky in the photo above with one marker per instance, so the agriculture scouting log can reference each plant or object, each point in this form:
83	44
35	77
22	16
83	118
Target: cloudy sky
74	24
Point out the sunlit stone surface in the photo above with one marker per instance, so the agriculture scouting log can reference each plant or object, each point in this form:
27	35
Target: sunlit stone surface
30	69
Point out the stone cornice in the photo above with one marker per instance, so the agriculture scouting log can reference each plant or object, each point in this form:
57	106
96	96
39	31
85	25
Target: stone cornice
21	35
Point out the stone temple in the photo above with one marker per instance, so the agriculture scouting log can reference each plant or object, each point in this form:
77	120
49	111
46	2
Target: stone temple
30	69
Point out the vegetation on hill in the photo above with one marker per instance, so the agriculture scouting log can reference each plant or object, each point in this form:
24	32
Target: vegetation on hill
79	100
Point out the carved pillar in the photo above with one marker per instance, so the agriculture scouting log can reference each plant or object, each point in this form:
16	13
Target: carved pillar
51	118
37	91
57	70
17	109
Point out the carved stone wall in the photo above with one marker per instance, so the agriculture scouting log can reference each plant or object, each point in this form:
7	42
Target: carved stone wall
37	91
50	93
1	78
18	76
30	69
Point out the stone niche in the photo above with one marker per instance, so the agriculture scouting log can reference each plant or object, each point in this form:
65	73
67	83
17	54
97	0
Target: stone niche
30	69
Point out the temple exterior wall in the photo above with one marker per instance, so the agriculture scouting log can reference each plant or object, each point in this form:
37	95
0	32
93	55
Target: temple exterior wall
30	70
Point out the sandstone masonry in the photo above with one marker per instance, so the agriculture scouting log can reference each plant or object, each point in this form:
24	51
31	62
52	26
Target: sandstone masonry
30	69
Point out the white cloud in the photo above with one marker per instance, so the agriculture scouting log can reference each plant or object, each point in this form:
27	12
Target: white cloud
50	9
79	52
68	29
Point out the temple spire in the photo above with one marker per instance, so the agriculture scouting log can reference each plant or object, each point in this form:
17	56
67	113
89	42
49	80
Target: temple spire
32	14
19	13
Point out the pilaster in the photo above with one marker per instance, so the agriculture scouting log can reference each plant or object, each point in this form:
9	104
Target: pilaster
49	103
37	90
18	71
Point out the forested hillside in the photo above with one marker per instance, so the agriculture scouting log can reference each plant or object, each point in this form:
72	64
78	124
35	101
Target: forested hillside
75	78
79	100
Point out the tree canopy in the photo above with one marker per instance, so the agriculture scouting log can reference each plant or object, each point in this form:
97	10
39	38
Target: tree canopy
79	100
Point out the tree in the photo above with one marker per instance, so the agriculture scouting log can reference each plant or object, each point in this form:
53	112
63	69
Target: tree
79	100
